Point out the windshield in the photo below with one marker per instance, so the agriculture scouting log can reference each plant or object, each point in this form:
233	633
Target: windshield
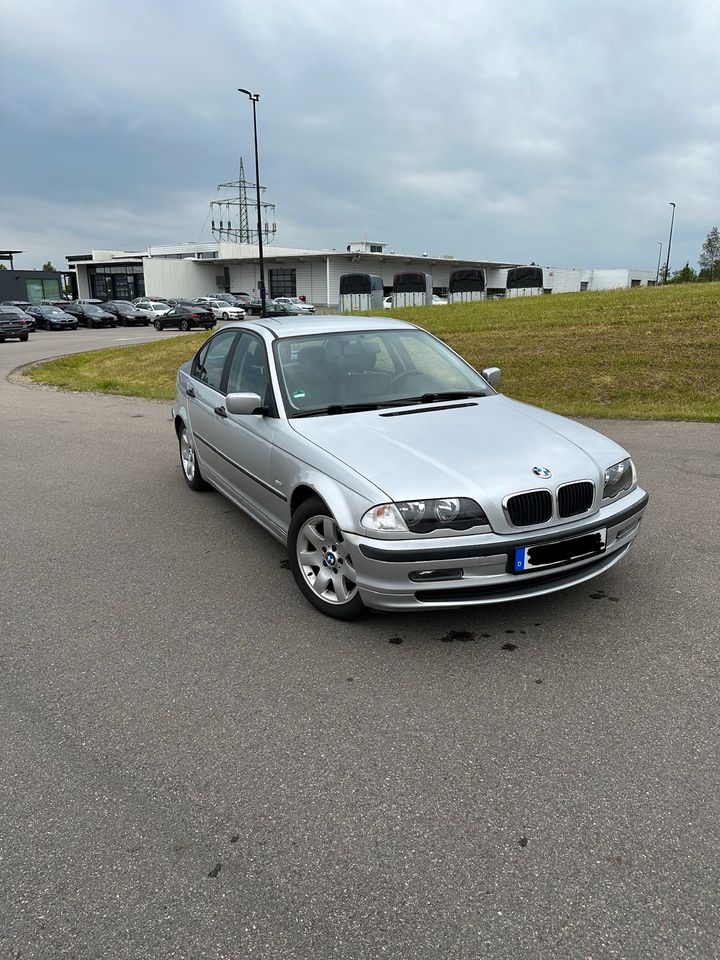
54	312
333	373
89	308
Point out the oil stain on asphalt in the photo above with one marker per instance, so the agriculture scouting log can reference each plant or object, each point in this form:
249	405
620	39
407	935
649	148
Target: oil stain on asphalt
462	636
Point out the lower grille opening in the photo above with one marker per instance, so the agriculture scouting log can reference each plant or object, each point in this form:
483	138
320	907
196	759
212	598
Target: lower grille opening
518	585
434	576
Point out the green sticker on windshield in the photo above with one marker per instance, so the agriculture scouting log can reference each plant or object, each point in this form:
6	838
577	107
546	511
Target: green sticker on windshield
298	394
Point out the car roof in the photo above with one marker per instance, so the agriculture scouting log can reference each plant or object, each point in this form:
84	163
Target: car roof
300	325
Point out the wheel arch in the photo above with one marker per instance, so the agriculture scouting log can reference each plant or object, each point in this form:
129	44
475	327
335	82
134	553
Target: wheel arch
345	505
301	493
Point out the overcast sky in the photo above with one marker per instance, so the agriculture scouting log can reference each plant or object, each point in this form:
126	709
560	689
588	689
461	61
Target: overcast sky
554	131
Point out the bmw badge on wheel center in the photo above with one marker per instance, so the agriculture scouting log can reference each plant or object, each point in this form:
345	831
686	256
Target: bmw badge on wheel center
397	475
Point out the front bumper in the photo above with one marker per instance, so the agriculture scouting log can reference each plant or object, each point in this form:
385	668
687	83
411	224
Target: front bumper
405	574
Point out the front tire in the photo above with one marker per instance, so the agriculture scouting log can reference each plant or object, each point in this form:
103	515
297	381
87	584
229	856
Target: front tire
188	461
322	564
226	316
158	324
184	326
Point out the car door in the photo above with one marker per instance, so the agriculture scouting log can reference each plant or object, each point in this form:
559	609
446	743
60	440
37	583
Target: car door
250	437
206	406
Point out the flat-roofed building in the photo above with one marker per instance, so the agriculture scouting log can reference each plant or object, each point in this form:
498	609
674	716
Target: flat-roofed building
198	269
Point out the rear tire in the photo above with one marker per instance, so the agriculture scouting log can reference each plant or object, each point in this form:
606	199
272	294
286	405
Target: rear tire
313	539
23	338
188	461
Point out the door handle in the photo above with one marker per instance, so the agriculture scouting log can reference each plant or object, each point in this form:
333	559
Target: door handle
190	392
221	411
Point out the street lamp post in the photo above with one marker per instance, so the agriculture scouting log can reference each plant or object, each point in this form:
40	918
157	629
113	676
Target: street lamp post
667	262
657	273
254	97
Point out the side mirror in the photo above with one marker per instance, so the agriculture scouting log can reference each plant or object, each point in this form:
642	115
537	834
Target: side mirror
243	404
492	375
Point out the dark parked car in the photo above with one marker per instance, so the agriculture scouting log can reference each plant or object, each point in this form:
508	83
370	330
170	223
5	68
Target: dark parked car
184	316
11	327
90	315
21	315
272	309
52	318
127	314
23	304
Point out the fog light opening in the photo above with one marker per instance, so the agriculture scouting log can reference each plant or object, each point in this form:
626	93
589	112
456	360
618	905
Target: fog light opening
433	576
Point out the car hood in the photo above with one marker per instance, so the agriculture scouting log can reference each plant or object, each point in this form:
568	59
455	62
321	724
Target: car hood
484	448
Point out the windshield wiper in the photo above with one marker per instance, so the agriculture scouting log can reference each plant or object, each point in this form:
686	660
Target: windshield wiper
446	395
336	408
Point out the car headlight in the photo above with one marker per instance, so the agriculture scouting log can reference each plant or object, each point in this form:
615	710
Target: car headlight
619	478
425	516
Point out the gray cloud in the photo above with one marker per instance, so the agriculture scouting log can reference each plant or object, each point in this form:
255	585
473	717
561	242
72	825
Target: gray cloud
552	131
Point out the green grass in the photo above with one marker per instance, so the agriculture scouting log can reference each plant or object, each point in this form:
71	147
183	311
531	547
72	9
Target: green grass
145	370
643	353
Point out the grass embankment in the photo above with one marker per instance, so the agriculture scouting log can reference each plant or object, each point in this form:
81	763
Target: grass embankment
145	370
648	353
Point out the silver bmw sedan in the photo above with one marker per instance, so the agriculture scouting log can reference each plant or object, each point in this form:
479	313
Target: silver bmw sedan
397	475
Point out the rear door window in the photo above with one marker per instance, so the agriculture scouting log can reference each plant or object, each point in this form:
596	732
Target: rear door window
209	363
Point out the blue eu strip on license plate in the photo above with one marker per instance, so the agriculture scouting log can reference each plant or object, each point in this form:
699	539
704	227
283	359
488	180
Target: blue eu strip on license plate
519	559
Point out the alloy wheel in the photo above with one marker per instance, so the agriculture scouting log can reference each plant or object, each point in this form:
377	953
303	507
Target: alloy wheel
325	562
187	455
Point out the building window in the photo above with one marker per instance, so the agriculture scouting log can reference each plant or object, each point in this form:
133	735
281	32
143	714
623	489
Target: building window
116	282
634	283
375	248
283	283
38	290
98	287
583	286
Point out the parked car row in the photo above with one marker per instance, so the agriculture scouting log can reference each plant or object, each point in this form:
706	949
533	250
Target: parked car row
228	306
19	317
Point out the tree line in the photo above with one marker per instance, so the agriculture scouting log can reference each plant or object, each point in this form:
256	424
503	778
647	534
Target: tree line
708	261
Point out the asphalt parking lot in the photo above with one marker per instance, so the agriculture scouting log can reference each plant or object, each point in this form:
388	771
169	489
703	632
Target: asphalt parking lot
195	764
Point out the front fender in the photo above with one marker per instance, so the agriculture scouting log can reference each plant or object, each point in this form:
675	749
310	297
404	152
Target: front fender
346	505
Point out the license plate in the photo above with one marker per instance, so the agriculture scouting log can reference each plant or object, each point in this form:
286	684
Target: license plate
559	552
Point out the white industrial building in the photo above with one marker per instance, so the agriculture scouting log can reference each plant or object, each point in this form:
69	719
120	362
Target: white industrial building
197	269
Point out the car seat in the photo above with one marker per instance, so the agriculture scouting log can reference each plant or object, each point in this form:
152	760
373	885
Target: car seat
360	381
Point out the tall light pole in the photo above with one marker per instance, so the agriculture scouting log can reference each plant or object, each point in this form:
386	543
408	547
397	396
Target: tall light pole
254	97
657	273
667	262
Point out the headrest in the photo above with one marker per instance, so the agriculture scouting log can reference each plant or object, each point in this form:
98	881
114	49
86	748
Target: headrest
312	355
356	347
